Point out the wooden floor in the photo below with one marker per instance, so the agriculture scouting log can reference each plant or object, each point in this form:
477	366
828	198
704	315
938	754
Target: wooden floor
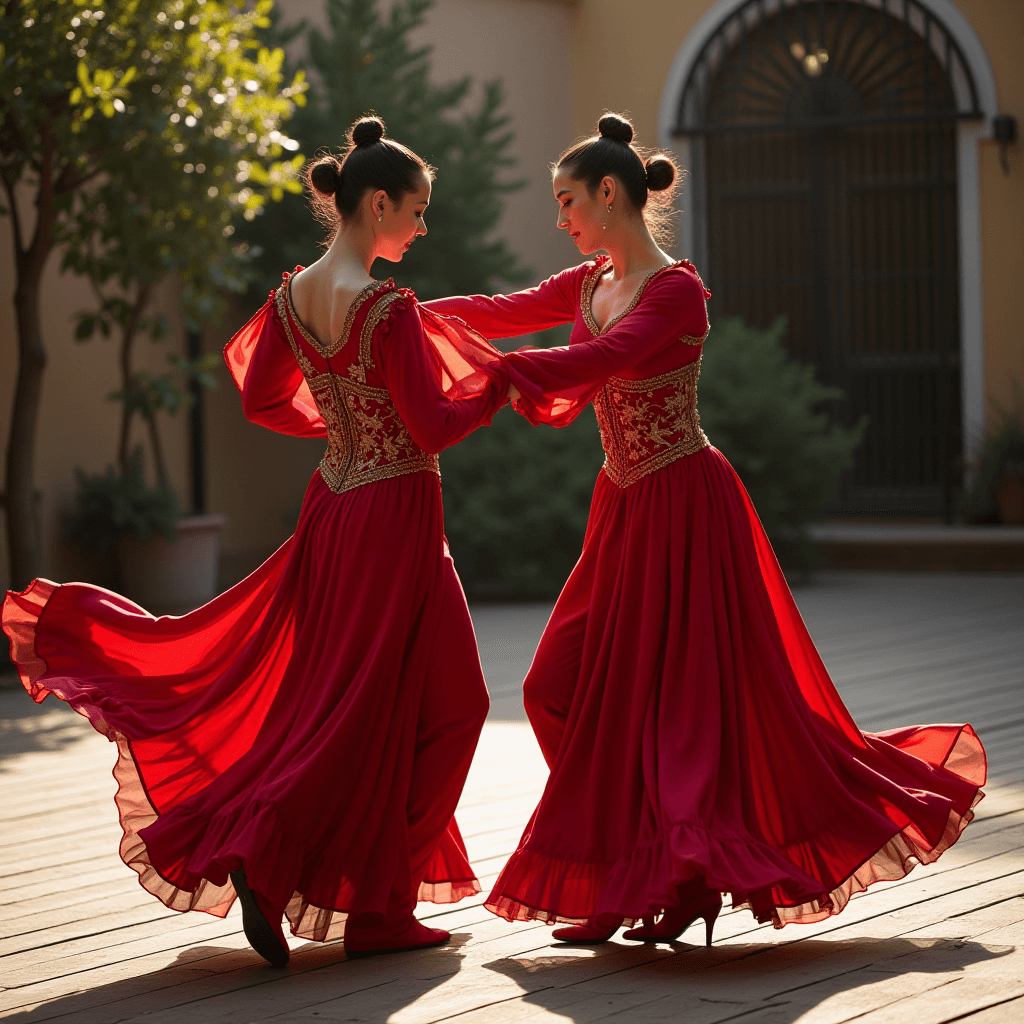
82	942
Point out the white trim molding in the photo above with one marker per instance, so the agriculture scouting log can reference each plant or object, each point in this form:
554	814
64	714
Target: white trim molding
969	135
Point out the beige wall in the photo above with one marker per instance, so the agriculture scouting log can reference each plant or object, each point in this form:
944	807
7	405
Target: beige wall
1000	26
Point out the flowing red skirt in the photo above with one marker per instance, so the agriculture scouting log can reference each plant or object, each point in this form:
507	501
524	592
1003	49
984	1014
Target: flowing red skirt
693	732
314	724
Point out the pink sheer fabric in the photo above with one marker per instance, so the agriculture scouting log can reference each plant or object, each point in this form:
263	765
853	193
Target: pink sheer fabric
691	729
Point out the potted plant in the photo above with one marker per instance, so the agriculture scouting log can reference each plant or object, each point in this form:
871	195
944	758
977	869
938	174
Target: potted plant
997	485
164	560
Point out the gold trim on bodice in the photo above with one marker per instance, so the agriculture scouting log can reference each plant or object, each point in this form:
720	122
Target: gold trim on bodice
366	438
329	351
587	297
648	424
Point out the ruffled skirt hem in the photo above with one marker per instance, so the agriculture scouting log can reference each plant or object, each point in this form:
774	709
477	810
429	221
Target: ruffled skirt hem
21	613
536	887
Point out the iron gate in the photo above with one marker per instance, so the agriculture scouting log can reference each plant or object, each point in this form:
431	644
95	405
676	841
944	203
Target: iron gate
824	157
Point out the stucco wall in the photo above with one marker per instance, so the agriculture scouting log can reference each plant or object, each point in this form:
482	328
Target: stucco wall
1000	26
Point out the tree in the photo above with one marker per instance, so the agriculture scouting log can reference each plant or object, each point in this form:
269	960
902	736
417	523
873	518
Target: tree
768	414
363	62
101	113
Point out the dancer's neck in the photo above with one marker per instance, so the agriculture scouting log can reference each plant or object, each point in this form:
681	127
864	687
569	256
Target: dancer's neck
634	251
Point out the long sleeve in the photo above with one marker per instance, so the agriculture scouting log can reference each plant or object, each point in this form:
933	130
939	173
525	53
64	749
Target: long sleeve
550	303
415	376
555	383
274	392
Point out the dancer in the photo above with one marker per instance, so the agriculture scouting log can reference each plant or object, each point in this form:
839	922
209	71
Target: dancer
696	742
303	739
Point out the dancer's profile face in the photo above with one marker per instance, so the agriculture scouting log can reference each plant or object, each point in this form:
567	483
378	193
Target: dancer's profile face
579	212
402	224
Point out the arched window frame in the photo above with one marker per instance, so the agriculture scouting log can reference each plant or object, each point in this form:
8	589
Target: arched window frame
977	101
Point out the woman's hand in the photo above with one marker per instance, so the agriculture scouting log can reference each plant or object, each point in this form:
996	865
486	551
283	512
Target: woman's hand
513	394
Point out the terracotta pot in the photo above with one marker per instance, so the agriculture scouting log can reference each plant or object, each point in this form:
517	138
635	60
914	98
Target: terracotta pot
1010	498
173	577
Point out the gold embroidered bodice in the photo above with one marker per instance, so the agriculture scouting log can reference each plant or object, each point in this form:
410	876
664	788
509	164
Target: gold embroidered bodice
647	424
366	439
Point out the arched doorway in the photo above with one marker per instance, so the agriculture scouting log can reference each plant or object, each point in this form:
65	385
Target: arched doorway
824	142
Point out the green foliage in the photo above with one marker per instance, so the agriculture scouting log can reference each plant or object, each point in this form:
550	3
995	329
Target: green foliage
113	505
151	393
191	138
516	500
1002	454
768	415
132	101
364	61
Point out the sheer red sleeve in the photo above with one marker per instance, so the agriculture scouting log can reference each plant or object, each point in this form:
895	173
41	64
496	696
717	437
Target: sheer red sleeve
445	381
556	383
263	367
549	304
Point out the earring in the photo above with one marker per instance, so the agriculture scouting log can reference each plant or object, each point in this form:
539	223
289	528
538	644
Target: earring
380	219
609	207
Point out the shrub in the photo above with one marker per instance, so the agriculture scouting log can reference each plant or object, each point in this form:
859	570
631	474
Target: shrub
1002	454
112	505
768	415
516	502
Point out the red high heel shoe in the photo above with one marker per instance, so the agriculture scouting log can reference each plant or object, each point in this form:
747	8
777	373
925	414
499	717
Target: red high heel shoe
595	931
676	920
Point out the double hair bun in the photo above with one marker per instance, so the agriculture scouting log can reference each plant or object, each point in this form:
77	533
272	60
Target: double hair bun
325	175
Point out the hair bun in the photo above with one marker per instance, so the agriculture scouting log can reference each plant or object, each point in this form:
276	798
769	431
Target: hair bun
325	175
614	126
366	131
661	173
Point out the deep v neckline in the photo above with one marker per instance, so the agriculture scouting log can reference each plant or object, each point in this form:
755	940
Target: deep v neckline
332	349
588	299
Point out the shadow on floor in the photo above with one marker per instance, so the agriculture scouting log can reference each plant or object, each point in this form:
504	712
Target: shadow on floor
27	727
763	982
318	984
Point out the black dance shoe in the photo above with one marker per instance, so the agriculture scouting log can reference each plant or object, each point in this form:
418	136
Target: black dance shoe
267	940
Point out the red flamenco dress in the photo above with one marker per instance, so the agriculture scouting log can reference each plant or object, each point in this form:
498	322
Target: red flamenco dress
312	726
693	734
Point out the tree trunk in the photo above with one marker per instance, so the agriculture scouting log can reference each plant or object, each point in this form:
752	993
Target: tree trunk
24	541
128	331
23	529
159	466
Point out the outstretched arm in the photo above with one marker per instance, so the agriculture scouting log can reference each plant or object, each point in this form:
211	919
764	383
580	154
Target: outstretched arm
555	383
549	304
414	375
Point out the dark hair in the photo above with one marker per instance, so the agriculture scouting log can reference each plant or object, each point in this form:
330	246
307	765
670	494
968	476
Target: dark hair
370	162
611	153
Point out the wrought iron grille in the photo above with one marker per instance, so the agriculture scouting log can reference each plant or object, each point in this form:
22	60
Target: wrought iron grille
823	148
